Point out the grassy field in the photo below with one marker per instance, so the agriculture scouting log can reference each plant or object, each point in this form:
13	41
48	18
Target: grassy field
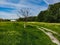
13	33
52	26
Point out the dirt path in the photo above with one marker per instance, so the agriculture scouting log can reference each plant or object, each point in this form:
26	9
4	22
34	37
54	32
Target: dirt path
53	39
50	31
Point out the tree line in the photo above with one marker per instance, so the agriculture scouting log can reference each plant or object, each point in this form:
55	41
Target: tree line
2	20
52	14
30	18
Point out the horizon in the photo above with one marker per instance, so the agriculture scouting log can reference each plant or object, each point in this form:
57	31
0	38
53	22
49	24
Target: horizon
8	7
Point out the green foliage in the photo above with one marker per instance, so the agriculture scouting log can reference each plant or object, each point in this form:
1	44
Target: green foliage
4	20
30	18
52	14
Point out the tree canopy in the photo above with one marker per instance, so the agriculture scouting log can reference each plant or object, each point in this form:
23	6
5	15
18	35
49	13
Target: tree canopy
52	14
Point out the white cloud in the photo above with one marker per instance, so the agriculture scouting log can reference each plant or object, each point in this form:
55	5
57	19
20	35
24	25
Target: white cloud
52	1
24	3
6	15
12	4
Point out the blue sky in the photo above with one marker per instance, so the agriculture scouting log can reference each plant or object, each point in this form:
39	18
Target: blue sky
8	7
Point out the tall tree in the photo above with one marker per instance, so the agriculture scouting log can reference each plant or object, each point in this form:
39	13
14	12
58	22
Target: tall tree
52	14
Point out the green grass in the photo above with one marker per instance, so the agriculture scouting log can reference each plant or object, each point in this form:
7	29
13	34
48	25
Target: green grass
13	33
52	26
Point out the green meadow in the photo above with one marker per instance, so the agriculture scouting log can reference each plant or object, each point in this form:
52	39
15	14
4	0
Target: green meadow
14	33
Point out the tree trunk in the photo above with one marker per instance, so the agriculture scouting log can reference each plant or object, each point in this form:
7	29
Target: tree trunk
24	25
25	22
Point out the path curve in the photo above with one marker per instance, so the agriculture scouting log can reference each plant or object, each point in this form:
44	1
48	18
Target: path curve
50	31
53	39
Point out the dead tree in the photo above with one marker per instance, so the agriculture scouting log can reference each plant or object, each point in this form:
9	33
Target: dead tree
25	13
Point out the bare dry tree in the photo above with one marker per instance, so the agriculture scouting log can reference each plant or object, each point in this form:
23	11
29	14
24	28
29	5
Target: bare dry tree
25	13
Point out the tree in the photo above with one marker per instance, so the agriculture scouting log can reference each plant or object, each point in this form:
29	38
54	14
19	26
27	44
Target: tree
25	13
52	14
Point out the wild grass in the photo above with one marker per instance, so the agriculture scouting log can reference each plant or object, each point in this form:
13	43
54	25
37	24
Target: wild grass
52	26
14	33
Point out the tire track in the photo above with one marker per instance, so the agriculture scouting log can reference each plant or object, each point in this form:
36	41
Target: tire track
53	39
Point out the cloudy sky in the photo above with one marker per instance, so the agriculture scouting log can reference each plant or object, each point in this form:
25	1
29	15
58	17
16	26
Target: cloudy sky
8	7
